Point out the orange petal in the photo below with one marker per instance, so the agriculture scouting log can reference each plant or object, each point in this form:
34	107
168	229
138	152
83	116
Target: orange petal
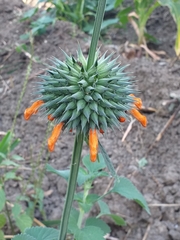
54	136
141	118
50	118
33	109
93	144
137	101
122	119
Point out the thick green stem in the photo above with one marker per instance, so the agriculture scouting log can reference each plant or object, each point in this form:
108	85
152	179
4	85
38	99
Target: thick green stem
76	157
96	32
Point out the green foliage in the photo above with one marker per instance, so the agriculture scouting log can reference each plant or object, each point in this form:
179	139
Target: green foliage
143	11
174	7
81	13
86	175
7	144
22	220
38	233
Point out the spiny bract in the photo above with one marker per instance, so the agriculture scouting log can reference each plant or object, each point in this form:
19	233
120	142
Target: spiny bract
83	98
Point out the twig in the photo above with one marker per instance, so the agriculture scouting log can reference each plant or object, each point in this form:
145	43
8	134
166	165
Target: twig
147	232
164	205
128	233
128	130
2	133
108	237
159	136
38	222
8	236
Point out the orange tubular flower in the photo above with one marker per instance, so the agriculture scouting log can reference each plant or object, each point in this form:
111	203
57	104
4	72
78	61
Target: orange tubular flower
122	119
141	118
138	102
33	109
54	136
50	118
93	144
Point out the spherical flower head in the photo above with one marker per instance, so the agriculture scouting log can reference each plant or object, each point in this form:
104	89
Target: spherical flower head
86	99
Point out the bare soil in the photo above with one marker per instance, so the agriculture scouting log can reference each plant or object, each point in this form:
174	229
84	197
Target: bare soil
158	181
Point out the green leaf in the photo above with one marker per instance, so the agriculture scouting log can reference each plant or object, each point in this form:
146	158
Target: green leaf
174	7
16	210
98	223
2	235
29	14
104	208
117	219
73	219
96	166
11	175
22	220
90	233
9	163
125	188
42	233
2	220
83	176
107	161
23	237
2	198
17	157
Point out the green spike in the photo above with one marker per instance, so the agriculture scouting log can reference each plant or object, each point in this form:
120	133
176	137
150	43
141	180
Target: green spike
87	112
89	89
88	98
83	122
103	122
93	105
94	117
80	105
66	116
70	105
78	95
59	110
97	97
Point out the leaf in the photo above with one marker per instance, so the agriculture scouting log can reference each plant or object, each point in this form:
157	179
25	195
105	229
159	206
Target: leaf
9	163
83	176
2	235
104	209
90	233
73	219
2	198
125	188
23	221
42	233
17	157
11	175
96	166
29	14
23	237
174	7
98	223
2	220
117	219
107	161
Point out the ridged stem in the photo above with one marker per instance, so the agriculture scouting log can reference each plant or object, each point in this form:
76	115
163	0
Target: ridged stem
96	32
76	157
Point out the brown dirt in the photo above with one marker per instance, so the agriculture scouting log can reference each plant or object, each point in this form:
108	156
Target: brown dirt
159	181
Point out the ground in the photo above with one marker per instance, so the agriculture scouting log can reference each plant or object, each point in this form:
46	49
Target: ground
158	181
